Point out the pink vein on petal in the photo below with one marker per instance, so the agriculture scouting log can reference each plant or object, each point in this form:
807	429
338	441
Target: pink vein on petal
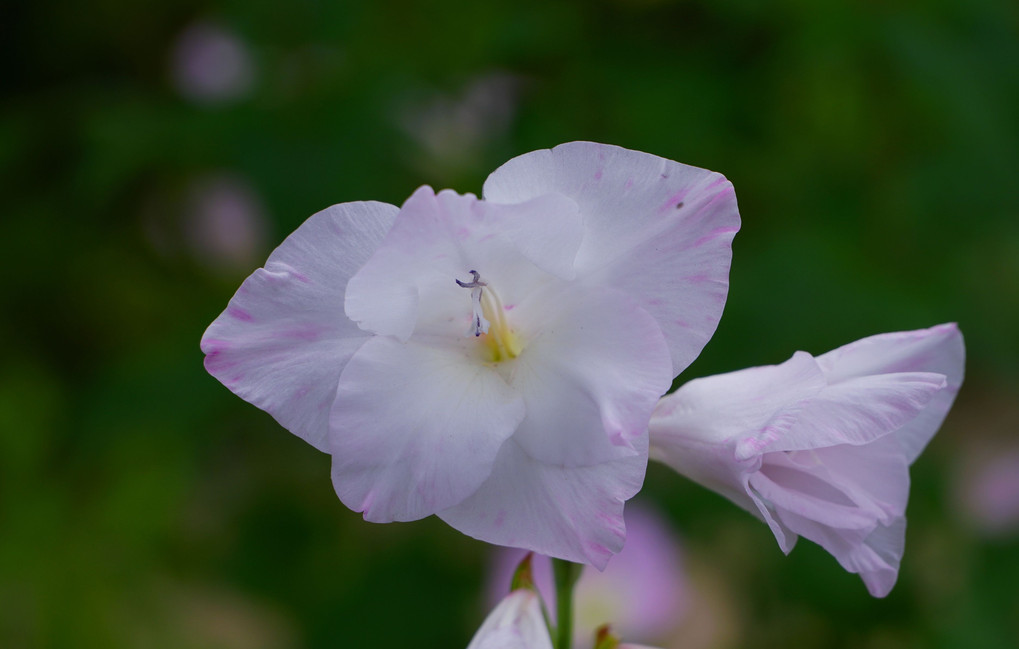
674	201
238	313
714	234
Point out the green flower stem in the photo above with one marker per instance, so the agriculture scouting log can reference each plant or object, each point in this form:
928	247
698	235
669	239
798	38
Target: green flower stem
566	576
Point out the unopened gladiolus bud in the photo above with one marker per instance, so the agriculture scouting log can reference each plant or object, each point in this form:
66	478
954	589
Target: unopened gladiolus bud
820	447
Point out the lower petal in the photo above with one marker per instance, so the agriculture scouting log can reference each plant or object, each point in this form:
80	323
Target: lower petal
874	554
858	515
416	429
590	378
569	513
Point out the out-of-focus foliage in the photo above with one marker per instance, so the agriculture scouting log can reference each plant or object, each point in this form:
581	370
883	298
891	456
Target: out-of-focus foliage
151	154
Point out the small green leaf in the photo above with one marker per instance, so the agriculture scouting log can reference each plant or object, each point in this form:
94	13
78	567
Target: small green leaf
522	577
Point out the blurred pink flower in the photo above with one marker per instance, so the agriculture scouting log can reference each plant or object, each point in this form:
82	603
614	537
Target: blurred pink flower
642	592
820	447
225	223
211	64
989	489
452	130
493	362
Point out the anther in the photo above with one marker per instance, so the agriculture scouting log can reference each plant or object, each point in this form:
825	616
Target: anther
474	283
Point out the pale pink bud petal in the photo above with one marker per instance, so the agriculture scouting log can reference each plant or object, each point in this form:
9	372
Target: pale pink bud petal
938	349
516	623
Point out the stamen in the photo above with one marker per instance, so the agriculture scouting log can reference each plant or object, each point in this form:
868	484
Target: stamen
479	324
501	341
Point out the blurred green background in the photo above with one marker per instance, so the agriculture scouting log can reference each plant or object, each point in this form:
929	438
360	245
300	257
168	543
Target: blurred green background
152	154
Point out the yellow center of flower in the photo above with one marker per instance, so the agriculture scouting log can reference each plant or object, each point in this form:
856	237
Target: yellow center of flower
501	341
488	321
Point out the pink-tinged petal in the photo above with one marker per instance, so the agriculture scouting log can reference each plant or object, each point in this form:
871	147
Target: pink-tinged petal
283	340
878	563
858	516
706	462
791	407
416	429
856	411
939	349
846	488
659	230
516	623
874	554
712	429
410	281
750	407
590	377
760	507
569	513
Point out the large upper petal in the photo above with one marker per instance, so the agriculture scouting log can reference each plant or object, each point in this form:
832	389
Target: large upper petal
570	513
409	283
939	349
656	229
416	429
593	367
283	339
